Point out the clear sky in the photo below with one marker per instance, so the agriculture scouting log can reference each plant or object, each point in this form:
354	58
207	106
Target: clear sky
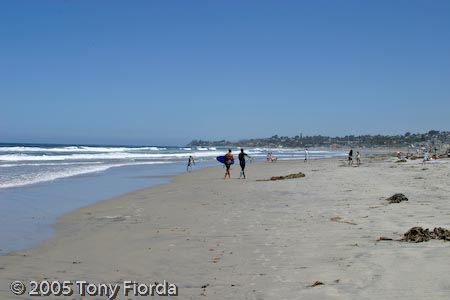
167	72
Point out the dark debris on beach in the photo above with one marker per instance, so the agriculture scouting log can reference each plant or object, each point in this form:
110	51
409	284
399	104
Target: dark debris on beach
418	234
397	198
290	176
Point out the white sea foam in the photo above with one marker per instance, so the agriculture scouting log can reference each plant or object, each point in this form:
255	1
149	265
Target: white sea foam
102	156
48	164
30	178
43	176
78	149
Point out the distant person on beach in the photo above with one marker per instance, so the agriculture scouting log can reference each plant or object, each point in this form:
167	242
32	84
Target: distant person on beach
306	154
350	157
191	162
242	156
270	157
228	158
425	158
358	158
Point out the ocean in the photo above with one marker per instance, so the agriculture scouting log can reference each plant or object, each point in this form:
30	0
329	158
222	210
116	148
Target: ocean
41	182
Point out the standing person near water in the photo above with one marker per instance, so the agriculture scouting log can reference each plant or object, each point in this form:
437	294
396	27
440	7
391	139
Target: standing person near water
191	162
306	154
358	158
228	158
242	156
350	157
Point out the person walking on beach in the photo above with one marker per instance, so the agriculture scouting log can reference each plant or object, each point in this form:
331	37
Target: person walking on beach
191	162
242	156
358	158
306	154
228	159
350	157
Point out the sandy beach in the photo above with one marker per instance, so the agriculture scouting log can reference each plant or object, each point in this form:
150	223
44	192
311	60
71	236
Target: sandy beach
314	237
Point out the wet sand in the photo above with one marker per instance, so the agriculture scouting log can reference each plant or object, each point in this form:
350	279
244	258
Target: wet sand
252	239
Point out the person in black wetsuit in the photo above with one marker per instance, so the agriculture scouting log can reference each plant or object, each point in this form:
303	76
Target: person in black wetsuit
191	162
350	157
242	156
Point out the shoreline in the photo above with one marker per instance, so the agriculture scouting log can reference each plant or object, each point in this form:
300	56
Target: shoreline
234	239
38	188
40	206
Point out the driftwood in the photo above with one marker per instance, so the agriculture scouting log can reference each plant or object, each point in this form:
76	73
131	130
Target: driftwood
290	176
339	219
316	283
383	238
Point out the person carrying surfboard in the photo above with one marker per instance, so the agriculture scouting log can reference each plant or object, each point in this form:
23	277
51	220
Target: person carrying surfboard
228	159
242	156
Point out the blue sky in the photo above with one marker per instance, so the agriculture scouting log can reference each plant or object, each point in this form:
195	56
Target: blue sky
167	72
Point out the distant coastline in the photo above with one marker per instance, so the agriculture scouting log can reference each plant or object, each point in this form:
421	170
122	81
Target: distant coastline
432	141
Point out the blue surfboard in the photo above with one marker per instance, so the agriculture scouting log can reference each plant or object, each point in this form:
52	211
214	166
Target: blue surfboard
221	159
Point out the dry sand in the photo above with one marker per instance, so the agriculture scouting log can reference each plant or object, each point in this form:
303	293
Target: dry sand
248	239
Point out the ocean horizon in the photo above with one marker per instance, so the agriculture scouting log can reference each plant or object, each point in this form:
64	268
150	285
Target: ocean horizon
39	183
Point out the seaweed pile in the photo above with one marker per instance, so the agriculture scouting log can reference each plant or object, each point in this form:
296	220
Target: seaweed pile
418	234
397	198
